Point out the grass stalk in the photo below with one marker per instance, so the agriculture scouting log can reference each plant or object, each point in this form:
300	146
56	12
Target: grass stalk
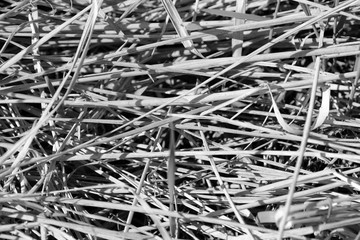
302	149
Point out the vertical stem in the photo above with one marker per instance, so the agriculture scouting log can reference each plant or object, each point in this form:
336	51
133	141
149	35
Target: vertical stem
271	31
355	82
238	38
302	149
141	182
171	179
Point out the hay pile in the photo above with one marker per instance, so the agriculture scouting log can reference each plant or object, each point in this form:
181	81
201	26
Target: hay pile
166	119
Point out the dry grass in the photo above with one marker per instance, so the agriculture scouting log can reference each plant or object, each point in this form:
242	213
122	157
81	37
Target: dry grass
169	119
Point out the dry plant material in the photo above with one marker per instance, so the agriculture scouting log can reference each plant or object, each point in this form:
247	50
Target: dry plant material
169	119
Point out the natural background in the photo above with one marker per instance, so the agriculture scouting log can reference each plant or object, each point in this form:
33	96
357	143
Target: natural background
160	119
